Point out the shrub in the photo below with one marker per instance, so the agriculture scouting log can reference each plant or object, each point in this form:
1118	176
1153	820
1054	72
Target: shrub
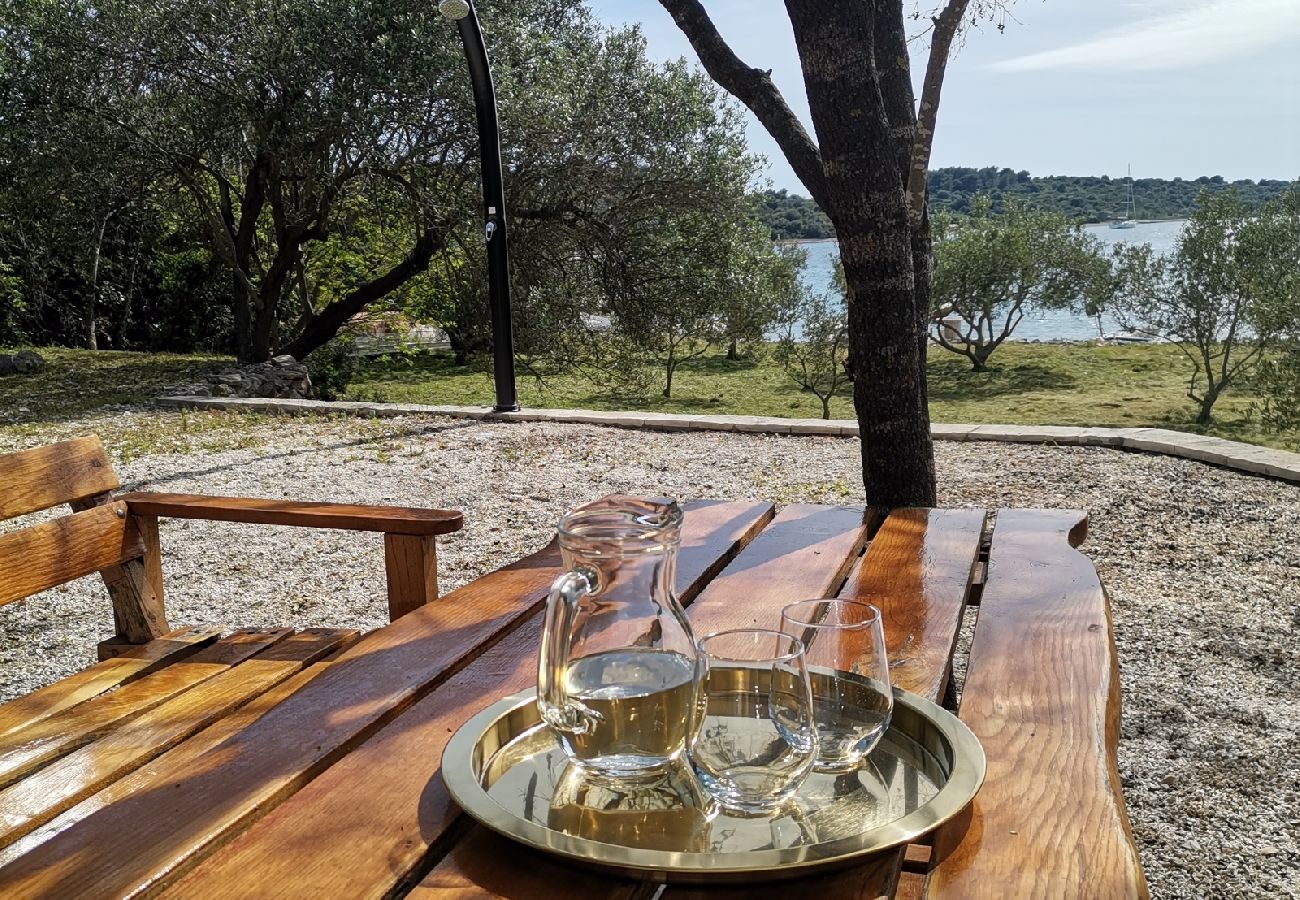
332	367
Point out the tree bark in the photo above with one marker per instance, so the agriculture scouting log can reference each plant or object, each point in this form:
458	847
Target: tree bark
334	316
92	323
862	172
864	183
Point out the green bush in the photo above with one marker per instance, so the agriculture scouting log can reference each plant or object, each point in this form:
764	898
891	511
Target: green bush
332	368
1278	381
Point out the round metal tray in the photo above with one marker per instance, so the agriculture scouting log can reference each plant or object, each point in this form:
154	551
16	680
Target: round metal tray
505	768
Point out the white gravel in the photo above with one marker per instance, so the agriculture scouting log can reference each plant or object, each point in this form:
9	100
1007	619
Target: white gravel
1202	565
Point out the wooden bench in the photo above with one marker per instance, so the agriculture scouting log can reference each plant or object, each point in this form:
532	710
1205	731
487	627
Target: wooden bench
146	661
329	784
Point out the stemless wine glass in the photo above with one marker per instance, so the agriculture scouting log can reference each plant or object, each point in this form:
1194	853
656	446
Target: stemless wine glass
844	644
751	740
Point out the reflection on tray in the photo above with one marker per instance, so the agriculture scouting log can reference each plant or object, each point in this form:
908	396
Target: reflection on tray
672	813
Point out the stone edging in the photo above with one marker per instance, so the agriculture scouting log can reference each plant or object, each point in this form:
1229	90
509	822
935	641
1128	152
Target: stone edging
1217	451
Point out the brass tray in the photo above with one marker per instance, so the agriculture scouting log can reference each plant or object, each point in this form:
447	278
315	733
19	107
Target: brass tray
505	768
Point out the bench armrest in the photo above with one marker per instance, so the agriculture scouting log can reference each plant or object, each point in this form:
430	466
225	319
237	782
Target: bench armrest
388	519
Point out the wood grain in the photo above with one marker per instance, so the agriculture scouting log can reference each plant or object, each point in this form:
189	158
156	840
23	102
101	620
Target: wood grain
136	661
179	813
396	519
411	564
138	614
805	552
42	556
44	794
153	571
916	572
176	759
1042	695
43	477
25	749
383	807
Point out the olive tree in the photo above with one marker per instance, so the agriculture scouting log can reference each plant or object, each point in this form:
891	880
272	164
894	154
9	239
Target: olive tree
991	270
814	347
1227	294
867	170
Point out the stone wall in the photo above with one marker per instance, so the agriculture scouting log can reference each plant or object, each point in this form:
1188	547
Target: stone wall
282	378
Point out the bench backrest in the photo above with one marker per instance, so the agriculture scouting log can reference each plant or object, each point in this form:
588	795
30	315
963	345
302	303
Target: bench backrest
99	535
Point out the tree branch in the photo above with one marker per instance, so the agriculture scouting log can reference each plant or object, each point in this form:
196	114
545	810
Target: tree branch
946	26
330	319
754	88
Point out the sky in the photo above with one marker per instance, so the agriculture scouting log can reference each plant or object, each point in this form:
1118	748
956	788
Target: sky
1070	87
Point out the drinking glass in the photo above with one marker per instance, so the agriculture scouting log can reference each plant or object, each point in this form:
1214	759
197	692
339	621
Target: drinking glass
844	644
751	740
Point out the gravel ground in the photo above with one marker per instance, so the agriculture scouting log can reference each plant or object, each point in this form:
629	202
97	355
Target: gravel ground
1202	565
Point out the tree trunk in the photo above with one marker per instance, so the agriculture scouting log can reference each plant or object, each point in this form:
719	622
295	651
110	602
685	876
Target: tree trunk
672	364
1211	395
867	202
92	338
243	314
855	72
826	406
733	352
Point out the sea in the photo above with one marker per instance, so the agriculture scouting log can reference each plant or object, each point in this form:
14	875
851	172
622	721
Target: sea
1042	326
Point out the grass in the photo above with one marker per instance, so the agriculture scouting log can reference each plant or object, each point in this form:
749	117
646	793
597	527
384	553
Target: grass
1030	384
1124	386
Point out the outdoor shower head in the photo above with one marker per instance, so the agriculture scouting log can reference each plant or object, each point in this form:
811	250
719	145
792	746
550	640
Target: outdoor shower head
454	9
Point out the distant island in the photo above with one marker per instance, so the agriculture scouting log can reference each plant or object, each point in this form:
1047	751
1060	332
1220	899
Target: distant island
1088	198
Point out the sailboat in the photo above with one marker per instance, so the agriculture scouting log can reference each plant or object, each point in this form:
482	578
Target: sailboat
1128	221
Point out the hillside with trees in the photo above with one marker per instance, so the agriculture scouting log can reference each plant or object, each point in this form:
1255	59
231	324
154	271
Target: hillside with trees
1087	198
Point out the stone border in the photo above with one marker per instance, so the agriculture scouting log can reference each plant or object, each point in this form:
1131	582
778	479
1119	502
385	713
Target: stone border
1256	460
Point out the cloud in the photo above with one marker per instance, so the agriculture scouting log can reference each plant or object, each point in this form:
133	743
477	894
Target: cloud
1180	36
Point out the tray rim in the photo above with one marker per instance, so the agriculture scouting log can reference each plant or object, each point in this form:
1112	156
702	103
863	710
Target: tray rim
956	794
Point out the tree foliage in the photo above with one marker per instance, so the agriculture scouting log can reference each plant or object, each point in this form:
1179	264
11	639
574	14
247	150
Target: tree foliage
1088	198
813	350
792	217
270	168
1227	294
992	270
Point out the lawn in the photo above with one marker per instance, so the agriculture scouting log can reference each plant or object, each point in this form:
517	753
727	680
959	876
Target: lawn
1124	386
1032	384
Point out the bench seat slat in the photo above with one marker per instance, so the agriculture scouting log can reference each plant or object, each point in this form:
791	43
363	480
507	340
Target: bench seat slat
138	841
1042	696
26	749
44	794
135	662
43	556
186	754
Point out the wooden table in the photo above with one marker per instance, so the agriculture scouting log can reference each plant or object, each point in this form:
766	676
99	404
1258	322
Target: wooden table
277	773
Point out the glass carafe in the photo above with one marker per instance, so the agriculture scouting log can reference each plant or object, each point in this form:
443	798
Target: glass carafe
615	673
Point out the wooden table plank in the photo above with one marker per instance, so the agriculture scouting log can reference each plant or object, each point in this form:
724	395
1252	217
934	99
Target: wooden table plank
41	796
174	760
1042	695
134	663
382	808
140	841
916	571
26	749
805	552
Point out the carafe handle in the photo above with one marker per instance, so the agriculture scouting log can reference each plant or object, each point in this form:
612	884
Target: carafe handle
553	701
